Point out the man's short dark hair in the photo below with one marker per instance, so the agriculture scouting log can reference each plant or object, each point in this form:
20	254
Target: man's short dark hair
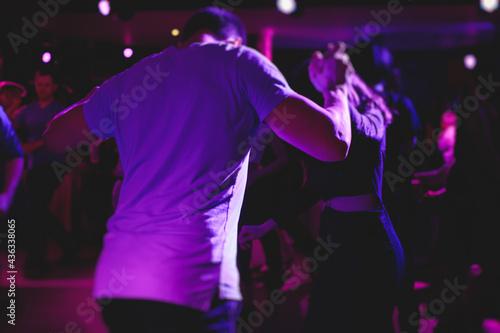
220	22
47	71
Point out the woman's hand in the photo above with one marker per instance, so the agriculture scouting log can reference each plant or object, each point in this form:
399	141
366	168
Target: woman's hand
250	232
329	69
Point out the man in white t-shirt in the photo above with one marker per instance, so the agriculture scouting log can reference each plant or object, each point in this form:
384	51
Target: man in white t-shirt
184	120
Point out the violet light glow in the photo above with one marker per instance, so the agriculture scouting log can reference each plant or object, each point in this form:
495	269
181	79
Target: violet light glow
128	52
470	61
104	7
286	6
489	6
46	57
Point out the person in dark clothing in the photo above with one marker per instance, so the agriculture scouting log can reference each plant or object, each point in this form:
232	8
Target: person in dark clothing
42	178
467	236
273	175
11	95
362	265
397	196
376	65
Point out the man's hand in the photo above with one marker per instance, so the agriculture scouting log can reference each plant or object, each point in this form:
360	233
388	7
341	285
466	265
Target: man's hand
329	69
249	233
28	147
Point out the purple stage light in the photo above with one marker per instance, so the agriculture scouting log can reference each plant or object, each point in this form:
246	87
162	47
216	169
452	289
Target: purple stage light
46	57
488	6
286	6
128	52
470	61
104	7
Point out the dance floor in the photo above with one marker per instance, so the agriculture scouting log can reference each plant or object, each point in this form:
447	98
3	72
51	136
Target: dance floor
61	302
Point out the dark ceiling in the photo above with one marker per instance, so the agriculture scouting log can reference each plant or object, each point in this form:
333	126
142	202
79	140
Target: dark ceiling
423	24
82	6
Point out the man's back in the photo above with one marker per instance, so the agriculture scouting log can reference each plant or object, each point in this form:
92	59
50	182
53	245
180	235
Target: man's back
183	120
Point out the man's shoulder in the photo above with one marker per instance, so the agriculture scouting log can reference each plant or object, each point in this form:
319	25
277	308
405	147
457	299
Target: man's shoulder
54	108
28	109
252	57
227	49
56	104
31	106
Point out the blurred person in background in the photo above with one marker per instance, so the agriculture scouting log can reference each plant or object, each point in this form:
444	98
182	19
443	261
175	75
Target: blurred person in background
11	98
468	233
273	176
401	137
42	179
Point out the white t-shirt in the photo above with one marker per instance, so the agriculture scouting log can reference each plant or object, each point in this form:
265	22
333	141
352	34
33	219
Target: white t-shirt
184	121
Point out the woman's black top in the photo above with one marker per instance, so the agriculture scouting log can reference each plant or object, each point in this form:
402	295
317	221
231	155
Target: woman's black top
360	173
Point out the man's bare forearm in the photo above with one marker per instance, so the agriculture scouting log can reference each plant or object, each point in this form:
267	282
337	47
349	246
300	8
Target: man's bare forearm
323	133
28	147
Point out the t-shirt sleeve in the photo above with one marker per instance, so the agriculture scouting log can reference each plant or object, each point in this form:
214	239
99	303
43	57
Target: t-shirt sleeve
100	110
261	82
369	123
10	147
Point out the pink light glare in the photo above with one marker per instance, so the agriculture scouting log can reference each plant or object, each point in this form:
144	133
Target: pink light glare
491	325
475	270
265	44
128	52
470	61
104	7
46	57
